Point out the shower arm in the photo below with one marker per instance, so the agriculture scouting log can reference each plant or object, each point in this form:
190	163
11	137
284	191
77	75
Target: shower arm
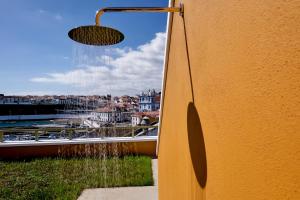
137	9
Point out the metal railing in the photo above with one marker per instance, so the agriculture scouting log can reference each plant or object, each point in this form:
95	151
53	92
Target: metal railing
47	133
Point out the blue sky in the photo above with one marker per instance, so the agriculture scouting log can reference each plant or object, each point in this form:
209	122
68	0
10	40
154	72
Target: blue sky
37	57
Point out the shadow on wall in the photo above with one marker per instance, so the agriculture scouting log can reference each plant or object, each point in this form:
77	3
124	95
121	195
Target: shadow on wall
196	144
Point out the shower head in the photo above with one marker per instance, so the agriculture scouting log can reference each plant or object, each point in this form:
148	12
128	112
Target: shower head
100	35
96	35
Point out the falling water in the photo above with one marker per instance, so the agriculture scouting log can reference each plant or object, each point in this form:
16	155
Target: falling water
84	57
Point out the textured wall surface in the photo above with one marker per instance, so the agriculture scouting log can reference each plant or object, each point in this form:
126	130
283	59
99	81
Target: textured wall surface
240	136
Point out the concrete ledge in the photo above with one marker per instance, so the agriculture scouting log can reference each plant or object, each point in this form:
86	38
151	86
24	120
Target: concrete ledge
80	147
77	141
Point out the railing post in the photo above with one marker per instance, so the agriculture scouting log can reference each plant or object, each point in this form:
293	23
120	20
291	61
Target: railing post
70	132
132	131
45	132
64	134
1	136
36	135
100	133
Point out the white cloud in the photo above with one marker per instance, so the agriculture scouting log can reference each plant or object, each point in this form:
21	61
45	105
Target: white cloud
48	14
41	11
32	92
58	17
114	70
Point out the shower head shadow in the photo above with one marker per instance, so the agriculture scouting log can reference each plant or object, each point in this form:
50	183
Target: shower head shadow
100	35
96	35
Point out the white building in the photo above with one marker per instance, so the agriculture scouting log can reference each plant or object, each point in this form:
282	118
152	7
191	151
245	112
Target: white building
136	119
110	115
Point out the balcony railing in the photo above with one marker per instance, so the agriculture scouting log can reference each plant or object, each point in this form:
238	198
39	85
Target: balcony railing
37	134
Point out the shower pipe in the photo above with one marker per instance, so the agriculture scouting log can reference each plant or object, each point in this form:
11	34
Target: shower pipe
137	9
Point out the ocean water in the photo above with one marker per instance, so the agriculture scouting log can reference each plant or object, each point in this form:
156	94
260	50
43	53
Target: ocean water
27	124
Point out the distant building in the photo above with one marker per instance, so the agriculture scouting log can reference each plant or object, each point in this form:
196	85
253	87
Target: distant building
137	118
149	101
108	97
111	114
1	98
14	100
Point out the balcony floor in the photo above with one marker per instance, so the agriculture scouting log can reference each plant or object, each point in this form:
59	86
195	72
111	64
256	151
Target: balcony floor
124	193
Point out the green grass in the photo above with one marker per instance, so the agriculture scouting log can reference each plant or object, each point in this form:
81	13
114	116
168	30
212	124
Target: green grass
59	178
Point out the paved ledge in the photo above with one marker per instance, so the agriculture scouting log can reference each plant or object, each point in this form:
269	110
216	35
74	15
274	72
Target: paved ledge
124	193
142	145
77	141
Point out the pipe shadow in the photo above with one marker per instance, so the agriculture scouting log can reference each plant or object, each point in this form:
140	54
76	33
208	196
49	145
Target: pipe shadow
188	58
196	145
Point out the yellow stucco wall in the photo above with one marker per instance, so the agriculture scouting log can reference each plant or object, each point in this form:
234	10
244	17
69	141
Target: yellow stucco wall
240	138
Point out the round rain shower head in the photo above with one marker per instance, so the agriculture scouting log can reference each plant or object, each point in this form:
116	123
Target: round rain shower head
96	35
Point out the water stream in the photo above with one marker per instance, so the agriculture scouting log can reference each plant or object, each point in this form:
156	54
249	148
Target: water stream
85	57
